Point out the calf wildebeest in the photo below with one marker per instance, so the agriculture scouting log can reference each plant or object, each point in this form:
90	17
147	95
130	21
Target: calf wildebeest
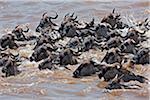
142	56
112	56
46	25
8	40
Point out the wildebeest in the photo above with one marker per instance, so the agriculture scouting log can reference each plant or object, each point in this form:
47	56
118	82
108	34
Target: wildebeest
42	52
46	25
46	64
87	69
117	85
128	46
67	57
8	40
19	33
112	56
113	42
109	73
102	31
10	67
114	20
142	56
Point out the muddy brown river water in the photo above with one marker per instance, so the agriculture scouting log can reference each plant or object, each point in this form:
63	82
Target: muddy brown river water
33	84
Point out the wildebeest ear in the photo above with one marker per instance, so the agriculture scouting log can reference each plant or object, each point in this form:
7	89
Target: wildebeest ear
54	17
72	14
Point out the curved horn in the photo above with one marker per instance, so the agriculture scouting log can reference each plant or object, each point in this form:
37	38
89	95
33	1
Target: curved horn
75	18
146	20
26	30
17	26
54	17
72	15
113	11
44	14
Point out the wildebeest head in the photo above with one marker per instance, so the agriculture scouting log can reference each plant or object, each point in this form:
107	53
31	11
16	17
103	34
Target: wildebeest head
68	26
142	56
133	34
102	30
46	64
75	44
113	42
87	69
46	23
69	18
8	40
128	46
19	33
67	57
40	53
113	19
113	56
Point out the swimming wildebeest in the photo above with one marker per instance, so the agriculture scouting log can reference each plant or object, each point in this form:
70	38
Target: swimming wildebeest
128	46
114	20
46	25
142	56
112	56
109	73
19	33
46	64
10	65
68	57
87	69
42	52
8	40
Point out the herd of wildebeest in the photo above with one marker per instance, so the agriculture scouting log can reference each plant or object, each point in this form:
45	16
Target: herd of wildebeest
108	35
